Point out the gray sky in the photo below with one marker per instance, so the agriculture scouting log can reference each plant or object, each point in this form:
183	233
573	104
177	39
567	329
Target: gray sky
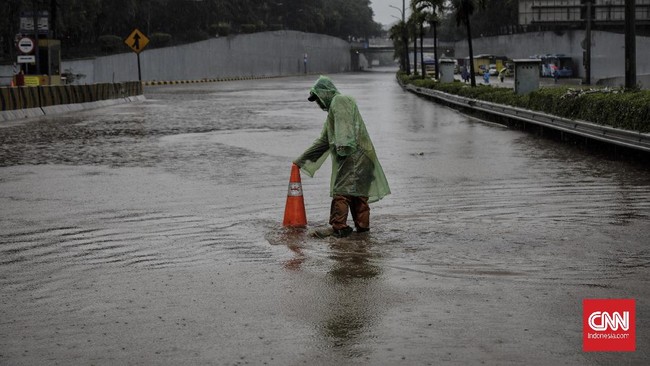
384	13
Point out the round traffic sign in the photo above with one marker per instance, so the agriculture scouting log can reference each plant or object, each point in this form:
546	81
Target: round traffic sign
26	45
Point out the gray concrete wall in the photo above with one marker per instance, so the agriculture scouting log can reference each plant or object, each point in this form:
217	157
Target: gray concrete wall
252	55
607	55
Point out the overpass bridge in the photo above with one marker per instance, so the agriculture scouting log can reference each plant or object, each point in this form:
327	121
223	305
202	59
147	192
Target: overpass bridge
382	52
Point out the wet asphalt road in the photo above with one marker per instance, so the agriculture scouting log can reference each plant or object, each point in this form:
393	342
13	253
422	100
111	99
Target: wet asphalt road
150	233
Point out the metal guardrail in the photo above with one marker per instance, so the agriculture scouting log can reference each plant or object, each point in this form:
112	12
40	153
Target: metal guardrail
629	139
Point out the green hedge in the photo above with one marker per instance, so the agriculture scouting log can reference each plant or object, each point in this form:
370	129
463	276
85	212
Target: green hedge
618	108
248	28
221	29
160	39
110	43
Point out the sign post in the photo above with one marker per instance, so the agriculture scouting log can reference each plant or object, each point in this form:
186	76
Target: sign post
27	48
137	41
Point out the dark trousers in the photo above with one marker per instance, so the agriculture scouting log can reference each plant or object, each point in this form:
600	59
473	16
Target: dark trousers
359	208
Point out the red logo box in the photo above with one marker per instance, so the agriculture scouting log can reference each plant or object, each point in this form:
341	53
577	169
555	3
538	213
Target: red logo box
608	325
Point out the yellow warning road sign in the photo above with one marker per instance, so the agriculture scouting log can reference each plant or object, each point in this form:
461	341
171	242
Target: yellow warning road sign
137	41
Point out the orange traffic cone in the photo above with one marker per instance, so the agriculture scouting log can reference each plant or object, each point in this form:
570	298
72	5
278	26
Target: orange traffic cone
294	211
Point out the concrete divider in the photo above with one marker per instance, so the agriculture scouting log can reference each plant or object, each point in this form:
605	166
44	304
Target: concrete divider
32	101
14	98
7	100
211	80
46	96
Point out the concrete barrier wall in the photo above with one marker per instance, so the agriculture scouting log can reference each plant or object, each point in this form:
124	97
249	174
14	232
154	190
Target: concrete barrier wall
607	53
35	97
252	55
263	54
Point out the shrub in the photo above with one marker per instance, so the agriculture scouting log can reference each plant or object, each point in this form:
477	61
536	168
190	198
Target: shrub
260	26
248	28
221	29
160	39
110	43
424	83
195	36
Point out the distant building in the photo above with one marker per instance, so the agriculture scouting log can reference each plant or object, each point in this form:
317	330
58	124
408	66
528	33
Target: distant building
605	14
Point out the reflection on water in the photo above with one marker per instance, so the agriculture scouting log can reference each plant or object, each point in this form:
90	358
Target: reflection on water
350	302
349	316
353	259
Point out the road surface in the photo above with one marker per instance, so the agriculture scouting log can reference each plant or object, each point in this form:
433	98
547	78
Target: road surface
150	233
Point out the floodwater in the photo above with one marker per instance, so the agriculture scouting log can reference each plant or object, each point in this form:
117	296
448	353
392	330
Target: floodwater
150	233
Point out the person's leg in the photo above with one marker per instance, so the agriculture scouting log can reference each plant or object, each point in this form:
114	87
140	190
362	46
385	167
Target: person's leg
339	212
360	213
339	215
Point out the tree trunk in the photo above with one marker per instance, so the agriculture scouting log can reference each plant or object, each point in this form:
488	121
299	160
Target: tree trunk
424	71
407	60
435	48
415	48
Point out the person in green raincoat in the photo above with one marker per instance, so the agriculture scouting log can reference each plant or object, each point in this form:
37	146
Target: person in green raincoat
357	177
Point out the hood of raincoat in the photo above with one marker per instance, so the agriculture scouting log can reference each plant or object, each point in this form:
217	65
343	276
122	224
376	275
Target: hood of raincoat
325	90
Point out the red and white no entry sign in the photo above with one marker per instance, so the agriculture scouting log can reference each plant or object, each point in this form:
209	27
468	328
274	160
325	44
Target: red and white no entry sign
26	45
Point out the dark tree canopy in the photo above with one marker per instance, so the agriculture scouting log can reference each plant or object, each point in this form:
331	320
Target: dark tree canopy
79	24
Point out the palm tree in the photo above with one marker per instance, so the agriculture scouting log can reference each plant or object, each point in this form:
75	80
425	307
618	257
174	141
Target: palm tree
421	19
433	24
417	18
434	6
413	25
464	10
396	33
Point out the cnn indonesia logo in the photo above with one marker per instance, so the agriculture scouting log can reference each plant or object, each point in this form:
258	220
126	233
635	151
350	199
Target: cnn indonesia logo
608	325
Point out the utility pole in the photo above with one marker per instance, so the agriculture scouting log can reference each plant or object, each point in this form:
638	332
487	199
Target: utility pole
630	44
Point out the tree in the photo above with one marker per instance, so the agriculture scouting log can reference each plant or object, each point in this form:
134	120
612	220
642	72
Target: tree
345	18
431	9
498	17
80	23
413	22
463	11
396	33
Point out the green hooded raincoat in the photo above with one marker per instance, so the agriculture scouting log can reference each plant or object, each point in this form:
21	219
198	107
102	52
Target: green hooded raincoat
355	168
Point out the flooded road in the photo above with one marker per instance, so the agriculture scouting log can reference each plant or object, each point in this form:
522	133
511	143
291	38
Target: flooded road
150	233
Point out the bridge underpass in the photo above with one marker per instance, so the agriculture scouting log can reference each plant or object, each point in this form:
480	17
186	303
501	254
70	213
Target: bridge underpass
364	58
